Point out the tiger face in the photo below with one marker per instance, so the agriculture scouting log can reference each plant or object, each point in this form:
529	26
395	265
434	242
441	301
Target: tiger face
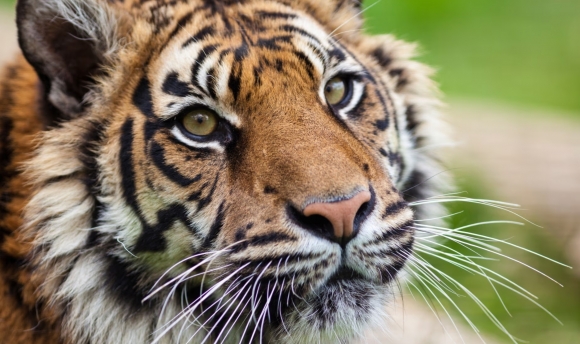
225	171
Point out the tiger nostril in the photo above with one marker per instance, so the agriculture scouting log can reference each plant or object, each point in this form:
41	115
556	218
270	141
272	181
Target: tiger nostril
335	221
316	224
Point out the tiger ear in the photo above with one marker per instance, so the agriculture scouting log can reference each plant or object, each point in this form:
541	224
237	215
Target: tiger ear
67	41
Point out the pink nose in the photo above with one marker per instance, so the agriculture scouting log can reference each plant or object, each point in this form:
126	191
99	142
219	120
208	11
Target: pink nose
340	214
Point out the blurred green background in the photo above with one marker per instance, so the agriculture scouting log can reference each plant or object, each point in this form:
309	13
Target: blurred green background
521	51
525	53
523	57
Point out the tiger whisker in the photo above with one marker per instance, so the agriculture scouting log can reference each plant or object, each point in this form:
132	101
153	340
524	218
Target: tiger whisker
227	304
345	31
481	269
185	272
459	264
280	305
186	312
267	308
465	259
251	318
234	312
464	235
440	217
507	207
470	242
426	280
353	17
254	288
185	279
477	301
429	303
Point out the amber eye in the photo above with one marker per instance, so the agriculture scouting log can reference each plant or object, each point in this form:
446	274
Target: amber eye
335	90
200	122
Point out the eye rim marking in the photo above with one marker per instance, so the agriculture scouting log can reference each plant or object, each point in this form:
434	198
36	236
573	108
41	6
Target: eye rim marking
218	139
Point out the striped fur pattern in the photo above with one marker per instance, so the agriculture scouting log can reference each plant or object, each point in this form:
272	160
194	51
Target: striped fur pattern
134	233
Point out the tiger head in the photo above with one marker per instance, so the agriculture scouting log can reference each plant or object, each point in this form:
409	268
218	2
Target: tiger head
222	170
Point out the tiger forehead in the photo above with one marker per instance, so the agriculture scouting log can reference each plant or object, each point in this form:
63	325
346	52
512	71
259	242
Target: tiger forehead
214	57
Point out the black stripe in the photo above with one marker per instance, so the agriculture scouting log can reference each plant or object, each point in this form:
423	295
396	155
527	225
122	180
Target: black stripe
125	283
6	156
338	54
381	57
270	238
175	87
151	127
157	154
394	234
398	73
127	168
152	238
396	159
401	251
394	208
205	201
180	25
414	188
275	15
142	98
388	274
210	81
234	82
200	35
383	152
203	55
215	229
89	149
382	124
412	121
294	29
273	43
241	52
287	259
223	55
309	66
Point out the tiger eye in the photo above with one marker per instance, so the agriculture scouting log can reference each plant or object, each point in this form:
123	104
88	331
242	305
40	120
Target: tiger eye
335	90
200	122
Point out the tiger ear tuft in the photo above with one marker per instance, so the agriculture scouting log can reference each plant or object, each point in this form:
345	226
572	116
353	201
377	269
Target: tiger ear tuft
67	41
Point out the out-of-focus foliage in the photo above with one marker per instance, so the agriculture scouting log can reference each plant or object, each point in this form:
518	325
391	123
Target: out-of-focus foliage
521	51
524	320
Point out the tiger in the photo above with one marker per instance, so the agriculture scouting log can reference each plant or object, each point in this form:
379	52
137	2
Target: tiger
209	171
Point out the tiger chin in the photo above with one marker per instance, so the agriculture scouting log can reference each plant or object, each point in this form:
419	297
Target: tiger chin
208	171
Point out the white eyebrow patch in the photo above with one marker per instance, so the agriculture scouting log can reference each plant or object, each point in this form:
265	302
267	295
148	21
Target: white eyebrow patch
203	72
223	75
316	60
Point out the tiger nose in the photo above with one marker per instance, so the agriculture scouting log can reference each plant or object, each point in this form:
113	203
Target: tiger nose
345	216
